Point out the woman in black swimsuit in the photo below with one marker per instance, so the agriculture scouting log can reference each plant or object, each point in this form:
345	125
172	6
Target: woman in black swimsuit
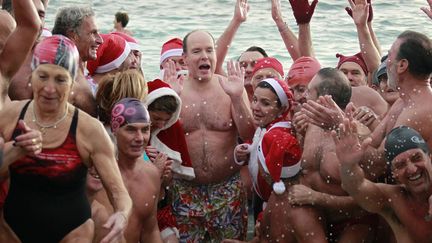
47	200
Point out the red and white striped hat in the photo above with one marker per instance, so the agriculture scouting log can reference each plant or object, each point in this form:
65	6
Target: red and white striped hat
110	55
173	47
133	43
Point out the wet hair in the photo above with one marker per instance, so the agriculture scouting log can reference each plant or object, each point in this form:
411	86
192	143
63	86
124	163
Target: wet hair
122	17
166	103
416	48
334	83
266	85
114	87
258	49
193	31
69	19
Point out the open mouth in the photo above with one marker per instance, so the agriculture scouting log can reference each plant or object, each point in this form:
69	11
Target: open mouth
204	67
94	175
415	177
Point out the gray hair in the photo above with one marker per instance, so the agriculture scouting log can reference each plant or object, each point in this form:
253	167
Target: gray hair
70	19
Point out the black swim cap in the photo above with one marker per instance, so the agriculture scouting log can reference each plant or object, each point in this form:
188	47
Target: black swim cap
401	139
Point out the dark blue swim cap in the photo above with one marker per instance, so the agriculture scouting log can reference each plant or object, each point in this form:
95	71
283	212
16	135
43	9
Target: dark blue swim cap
401	139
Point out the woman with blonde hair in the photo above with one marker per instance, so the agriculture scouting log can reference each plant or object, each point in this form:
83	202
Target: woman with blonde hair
114	87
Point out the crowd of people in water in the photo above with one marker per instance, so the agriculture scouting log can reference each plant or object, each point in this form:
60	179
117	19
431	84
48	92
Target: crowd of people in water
91	151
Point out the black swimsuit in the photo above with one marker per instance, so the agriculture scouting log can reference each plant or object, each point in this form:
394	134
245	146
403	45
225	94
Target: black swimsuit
47	195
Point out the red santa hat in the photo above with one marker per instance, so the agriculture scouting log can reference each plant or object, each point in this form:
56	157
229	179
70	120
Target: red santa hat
169	138
357	58
302	71
268	62
133	43
110	55
280	154
173	47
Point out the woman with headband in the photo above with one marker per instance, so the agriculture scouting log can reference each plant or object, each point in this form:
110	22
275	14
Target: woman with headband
47	199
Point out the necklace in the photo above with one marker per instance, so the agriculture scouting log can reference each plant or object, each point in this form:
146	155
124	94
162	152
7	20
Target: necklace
53	125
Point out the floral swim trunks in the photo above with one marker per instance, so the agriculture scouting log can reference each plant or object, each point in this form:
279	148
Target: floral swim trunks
210	213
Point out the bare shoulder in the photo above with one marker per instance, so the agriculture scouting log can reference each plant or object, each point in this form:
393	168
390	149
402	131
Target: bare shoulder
88	124
91	135
151	171
366	96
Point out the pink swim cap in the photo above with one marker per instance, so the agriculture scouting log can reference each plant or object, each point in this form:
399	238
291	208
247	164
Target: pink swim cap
58	50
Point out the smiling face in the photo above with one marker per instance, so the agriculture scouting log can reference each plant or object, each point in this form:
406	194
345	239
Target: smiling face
132	139
51	86
87	39
413	169
265	107
200	56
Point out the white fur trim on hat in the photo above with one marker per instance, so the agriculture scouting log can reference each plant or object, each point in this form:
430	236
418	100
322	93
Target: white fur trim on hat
279	91
171	53
134	46
279	187
115	63
157	93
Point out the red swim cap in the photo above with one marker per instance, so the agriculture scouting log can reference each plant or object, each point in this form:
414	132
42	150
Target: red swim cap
302	71
58	50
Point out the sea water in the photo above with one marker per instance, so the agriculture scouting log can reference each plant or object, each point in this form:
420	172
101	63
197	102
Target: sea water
154	21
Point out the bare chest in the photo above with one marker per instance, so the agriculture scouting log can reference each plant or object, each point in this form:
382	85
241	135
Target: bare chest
410	217
144	195
211	112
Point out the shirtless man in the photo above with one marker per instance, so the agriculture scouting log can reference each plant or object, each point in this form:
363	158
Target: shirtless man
132	132
18	45
79	25
405	205
213	108
408	67
321	179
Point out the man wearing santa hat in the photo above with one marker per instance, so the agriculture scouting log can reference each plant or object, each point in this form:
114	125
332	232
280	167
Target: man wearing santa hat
214	113
167	136
134	45
113	55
